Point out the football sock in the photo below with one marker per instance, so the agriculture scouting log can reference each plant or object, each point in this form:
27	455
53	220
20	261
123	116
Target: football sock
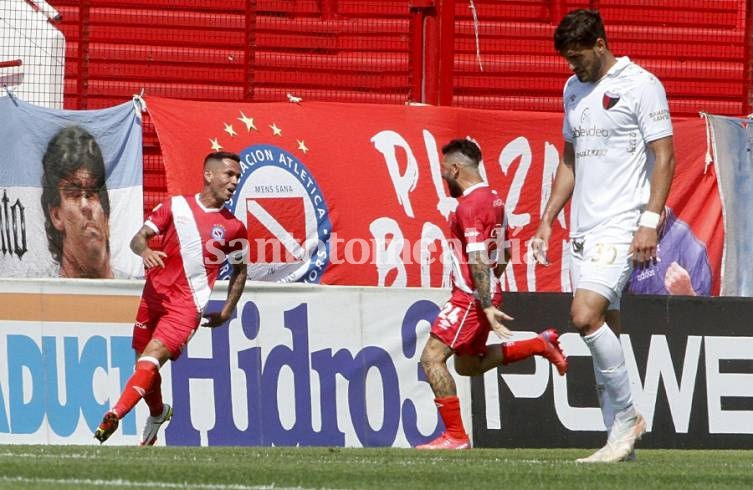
609	361
153	398
607	408
518	350
138	385
449	410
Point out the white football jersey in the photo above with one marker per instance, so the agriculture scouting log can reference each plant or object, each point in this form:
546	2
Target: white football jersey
610	123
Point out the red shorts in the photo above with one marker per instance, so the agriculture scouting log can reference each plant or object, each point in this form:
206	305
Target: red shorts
462	325
173	328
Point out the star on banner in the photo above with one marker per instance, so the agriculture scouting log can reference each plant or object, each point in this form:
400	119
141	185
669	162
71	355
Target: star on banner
275	130
248	121
302	146
229	129
216	146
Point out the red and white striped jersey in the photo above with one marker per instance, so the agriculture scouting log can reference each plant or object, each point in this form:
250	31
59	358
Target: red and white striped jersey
478	225
196	240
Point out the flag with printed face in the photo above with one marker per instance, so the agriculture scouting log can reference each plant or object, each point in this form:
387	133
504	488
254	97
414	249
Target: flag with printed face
71	192
352	194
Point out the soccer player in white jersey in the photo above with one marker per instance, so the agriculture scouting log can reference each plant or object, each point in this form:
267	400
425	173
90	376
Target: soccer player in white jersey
198	232
617	167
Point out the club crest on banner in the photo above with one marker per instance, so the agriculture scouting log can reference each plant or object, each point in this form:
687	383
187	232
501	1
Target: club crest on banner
286	216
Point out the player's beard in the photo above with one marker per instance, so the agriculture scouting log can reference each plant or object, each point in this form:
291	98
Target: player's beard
592	72
454	188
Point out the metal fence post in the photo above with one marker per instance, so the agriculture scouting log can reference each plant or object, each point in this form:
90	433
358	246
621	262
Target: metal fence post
83	54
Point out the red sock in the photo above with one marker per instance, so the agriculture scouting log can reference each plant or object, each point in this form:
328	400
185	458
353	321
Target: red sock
153	398
518	350
449	410
139	384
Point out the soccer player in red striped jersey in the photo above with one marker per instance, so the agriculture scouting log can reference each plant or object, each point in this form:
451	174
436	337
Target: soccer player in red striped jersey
479	255
198	233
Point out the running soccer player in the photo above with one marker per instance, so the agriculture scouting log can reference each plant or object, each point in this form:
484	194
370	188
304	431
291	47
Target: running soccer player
479	255
179	281
617	166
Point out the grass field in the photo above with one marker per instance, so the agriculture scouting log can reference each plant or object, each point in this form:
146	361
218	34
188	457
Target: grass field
215	468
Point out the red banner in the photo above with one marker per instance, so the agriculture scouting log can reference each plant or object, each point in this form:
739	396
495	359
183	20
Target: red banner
352	193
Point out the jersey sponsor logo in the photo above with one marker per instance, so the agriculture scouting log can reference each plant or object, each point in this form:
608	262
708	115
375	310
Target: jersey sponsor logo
609	100
662	115
286	216
471	233
585	117
632	142
591	131
591	152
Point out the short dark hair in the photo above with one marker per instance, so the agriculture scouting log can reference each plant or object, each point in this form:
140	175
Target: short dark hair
465	147
220	155
579	28
72	148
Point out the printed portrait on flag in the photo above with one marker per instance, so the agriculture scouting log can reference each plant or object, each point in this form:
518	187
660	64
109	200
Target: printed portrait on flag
70	191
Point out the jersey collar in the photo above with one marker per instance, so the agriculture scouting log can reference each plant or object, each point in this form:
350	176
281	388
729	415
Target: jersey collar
474	187
620	65
204	208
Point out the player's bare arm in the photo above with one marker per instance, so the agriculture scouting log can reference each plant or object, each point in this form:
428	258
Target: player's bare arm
140	246
562	190
482	280
236	283
646	237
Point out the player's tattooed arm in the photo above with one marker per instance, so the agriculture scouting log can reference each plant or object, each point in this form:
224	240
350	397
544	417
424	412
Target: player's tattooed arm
140	246
481	277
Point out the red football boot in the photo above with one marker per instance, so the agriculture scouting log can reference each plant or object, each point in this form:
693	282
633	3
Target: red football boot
446	441
553	351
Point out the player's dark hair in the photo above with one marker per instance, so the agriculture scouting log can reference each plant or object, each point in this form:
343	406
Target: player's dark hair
465	147
71	149
579	28
220	155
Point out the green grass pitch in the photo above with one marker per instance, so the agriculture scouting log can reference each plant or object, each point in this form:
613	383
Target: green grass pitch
235	468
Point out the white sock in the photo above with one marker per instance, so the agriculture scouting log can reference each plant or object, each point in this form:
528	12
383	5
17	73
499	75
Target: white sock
607	407
609	361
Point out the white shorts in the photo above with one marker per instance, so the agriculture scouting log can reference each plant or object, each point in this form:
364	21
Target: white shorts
601	266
